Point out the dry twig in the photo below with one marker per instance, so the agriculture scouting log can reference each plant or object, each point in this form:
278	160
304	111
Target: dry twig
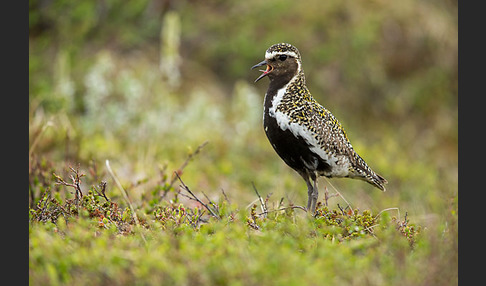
125	196
76	183
101	193
225	196
194	197
262	203
181	168
388	209
283	209
327	196
339	194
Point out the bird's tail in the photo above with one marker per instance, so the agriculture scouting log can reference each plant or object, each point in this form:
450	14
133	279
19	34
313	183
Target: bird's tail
377	181
362	171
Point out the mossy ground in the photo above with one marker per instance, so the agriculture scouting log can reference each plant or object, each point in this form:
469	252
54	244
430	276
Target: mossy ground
93	239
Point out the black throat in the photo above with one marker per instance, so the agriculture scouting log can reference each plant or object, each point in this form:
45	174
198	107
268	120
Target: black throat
277	83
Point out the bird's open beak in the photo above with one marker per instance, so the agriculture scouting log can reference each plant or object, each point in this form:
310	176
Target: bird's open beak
265	72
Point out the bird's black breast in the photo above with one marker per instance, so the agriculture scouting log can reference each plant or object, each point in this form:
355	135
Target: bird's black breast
294	150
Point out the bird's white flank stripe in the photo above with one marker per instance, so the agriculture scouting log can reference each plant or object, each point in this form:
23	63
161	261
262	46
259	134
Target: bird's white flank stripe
298	130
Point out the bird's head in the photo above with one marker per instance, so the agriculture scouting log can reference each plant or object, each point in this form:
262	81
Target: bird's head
282	61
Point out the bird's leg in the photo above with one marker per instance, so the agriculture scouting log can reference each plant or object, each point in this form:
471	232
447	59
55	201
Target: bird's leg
312	191
310	200
310	188
315	193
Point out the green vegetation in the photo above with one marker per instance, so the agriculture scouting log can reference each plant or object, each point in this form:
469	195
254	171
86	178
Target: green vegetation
193	193
177	245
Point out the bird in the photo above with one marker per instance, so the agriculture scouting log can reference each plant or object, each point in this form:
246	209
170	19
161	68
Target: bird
306	136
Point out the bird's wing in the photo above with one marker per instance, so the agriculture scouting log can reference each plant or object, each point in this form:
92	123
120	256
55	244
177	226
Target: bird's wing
328	131
332	138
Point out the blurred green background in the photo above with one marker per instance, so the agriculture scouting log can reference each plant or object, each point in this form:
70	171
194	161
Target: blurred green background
143	83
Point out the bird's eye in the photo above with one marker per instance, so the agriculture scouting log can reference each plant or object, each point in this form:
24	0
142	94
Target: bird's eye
282	57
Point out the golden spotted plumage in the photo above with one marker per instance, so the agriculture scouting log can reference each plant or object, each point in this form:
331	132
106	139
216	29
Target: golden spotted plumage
289	105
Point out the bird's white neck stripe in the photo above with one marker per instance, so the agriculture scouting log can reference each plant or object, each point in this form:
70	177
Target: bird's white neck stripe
274	53
288	53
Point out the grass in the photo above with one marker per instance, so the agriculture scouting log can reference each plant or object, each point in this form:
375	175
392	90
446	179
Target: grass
190	240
